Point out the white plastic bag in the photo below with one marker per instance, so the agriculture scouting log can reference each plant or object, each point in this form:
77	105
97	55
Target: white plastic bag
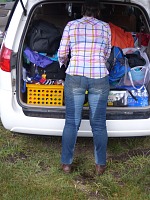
137	76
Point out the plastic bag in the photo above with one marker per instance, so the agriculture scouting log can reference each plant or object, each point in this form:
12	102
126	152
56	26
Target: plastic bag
137	76
140	97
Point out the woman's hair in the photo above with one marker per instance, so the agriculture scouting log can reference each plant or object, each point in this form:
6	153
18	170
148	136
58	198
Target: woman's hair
91	8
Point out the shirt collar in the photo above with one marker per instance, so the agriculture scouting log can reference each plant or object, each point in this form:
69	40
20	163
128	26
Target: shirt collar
87	17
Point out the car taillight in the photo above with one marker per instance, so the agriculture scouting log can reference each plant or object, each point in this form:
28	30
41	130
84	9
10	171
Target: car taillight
5	55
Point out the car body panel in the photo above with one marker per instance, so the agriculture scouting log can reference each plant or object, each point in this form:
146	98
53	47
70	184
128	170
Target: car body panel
45	126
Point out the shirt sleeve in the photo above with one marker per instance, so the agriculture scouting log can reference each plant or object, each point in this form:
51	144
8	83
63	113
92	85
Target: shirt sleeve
63	50
108	45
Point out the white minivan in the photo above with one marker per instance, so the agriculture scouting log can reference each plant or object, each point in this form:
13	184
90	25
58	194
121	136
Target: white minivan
18	110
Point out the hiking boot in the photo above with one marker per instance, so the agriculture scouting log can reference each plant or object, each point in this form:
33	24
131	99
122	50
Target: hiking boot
100	169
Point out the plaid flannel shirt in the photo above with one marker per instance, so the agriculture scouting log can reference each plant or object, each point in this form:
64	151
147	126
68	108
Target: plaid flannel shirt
88	42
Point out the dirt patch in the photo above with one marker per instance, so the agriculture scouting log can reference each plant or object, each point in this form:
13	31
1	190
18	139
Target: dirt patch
43	166
84	178
14	158
131	153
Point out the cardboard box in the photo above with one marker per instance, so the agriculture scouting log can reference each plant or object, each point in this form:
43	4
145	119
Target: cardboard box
117	98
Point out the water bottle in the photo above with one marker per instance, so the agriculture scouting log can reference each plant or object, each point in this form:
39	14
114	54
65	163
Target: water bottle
145	97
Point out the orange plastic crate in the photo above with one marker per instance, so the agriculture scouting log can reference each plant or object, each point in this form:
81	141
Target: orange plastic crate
46	95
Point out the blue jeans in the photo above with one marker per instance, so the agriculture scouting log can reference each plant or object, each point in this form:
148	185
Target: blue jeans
74	89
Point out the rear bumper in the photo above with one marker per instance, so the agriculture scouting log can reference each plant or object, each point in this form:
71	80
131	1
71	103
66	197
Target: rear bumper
15	120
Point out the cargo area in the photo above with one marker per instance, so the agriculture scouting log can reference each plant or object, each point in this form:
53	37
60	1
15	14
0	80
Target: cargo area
40	79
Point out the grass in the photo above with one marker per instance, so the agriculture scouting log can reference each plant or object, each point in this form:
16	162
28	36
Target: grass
30	169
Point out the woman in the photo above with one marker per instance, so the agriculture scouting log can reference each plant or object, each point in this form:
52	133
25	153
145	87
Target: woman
88	42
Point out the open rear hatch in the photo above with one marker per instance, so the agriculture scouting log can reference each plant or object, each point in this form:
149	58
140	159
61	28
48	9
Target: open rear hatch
40	88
